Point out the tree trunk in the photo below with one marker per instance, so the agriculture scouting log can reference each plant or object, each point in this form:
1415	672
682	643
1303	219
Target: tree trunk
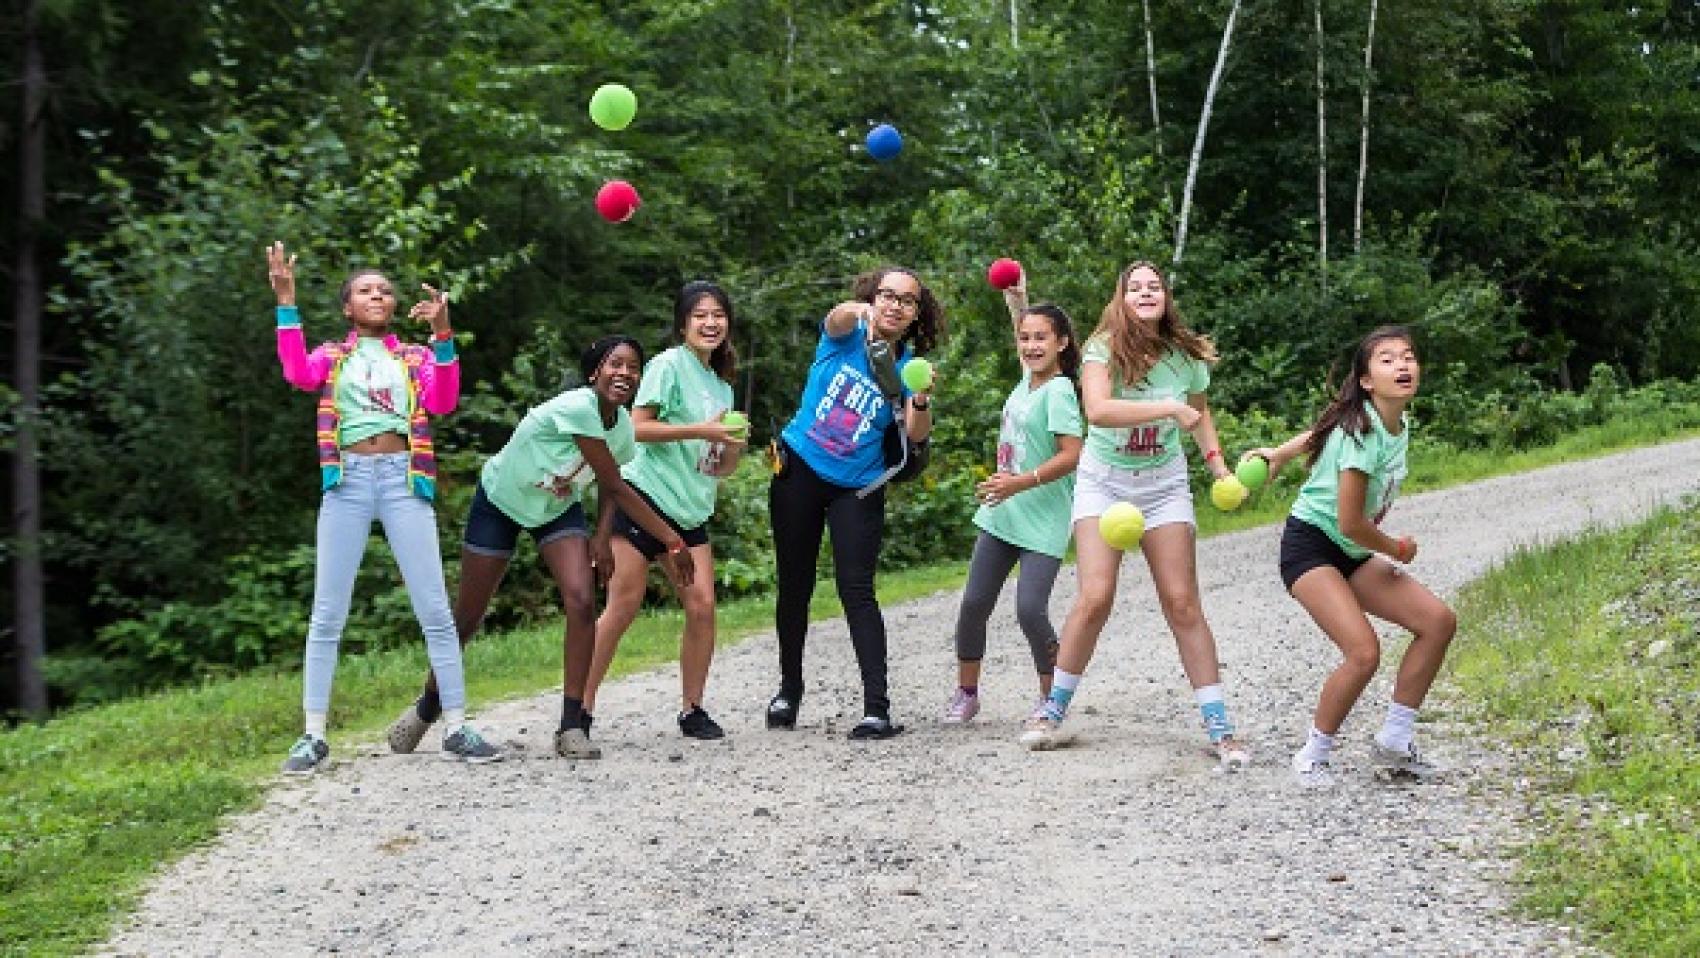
1321	154
28	621
1151	81
1014	24
1363	137
1203	127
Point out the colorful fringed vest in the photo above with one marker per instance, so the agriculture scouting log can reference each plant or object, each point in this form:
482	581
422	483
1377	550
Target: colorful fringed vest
421	455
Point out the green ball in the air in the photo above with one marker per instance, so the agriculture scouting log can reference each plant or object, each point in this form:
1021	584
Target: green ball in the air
1121	525
612	106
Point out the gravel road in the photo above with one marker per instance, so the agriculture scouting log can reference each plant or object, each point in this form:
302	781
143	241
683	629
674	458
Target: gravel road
945	839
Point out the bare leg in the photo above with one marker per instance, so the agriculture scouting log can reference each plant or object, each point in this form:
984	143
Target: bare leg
625	598
1097	565
696	647
1388	592
1332	603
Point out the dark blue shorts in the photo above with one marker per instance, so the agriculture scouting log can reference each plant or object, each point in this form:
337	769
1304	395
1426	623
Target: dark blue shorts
491	532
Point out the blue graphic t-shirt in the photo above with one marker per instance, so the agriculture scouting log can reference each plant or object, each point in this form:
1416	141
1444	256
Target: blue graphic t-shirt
842	419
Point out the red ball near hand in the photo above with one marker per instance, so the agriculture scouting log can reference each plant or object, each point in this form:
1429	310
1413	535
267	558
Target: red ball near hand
1003	273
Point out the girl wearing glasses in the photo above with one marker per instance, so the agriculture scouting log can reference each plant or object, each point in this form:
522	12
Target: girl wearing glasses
1143	379
684	449
829	471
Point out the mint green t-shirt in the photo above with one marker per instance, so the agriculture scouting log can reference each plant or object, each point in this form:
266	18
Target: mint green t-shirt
1378	454
1035	519
1175	376
679	475
540	473
371	393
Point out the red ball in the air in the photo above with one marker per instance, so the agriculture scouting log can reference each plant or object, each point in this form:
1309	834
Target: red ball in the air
617	200
1003	273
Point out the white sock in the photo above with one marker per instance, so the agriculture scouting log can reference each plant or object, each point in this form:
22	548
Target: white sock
316	725
1396	733
1063	685
1318	746
1208	694
453	719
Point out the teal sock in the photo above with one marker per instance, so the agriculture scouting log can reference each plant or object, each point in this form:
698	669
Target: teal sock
1063	685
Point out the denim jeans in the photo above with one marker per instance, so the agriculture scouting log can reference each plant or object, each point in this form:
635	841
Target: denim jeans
375	487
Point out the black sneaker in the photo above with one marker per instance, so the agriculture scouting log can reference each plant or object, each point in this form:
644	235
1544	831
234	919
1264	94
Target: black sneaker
782	711
875	726
585	721
697	724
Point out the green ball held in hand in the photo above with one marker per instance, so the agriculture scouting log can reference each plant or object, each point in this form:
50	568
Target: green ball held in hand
612	106
1252	472
737	421
917	374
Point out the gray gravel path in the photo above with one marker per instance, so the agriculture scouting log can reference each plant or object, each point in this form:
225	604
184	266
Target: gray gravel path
946	839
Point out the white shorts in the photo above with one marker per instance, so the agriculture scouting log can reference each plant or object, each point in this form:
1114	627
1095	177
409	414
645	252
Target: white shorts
1163	494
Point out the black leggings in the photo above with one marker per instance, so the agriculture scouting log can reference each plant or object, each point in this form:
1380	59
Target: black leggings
802	505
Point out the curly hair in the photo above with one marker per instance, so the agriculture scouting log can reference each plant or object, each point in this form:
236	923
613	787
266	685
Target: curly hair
927	331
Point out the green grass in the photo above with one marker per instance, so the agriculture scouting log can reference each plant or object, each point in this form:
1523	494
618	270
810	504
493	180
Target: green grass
1585	655
99	799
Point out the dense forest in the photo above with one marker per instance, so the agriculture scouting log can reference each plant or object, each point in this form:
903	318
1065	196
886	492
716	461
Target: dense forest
1518	179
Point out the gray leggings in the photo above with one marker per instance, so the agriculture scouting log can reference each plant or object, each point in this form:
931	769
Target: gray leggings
987	571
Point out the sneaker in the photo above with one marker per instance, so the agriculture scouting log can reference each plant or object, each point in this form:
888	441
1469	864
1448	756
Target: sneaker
1310	772
963	707
468	746
306	755
1408	763
875	727
697	724
406	731
1231	755
1043	730
782	711
573	743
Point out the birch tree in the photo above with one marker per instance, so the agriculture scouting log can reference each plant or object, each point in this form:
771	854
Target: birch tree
1203	128
1363	136
28	614
1321	152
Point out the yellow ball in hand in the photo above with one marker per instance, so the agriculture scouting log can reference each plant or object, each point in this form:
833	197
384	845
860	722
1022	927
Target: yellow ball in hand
1121	525
1229	493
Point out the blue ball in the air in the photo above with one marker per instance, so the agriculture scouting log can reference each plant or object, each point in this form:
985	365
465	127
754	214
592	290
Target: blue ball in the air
884	142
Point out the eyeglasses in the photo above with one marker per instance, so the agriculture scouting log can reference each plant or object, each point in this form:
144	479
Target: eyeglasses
891	297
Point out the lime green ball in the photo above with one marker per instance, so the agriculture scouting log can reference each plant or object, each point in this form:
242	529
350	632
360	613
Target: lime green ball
736	420
1252	472
917	374
612	106
1122	525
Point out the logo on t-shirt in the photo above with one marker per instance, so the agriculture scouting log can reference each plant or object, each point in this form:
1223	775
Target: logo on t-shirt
563	483
845	412
1142	441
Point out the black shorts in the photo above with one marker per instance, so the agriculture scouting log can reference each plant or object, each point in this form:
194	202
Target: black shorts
1305	547
648	544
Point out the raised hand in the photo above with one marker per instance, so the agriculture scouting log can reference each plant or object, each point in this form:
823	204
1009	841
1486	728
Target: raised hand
433	309
281	270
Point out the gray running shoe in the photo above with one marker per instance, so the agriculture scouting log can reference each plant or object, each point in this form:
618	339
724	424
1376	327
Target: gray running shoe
1044	729
573	743
1311	773
1408	763
406	731
306	755
466	745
